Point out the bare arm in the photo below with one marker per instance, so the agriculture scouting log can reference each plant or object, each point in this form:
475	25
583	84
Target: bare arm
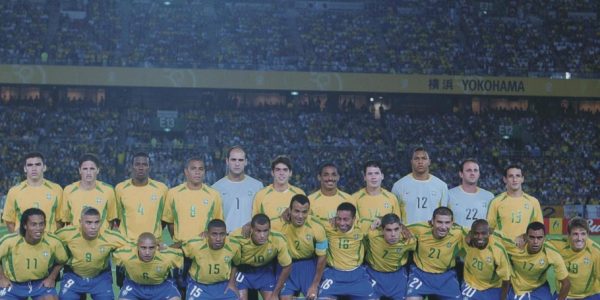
314	287
50	280
10	226
505	287
285	272
4	282
565	286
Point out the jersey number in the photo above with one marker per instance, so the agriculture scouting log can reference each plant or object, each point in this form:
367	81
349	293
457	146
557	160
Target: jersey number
472	214
344	243
525	264
415	283
477	264
297	244
259	259
326	284
421	202
434	253
385	253
213	269
469	291
516	217
196	292
145	275
88	257
30	262
573	268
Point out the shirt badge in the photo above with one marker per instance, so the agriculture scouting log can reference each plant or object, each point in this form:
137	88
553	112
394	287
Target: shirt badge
46	253
269	251
154	197
356	236
308	237
526	205
98	200
542	261
386	205
49	196
488	259
226	259
205	201
586	261
449	245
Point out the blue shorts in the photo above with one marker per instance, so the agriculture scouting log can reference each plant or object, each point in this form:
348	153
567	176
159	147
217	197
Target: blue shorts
390	284
540	293
300	277
181	275
443	285
218	291
355	283
470	293
256	278
33	289
592	297
132	290
99	287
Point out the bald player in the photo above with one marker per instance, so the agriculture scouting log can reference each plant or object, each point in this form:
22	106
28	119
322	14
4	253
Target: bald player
147	270
259	251
512	211
374	201
31	259
324	202
275	198
89	192
237	189
35	191
88	270
420	192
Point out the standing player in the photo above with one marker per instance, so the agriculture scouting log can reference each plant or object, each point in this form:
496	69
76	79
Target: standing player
259	251
147	270
36	192
140	200
530	266
305	239
373	200
275	198
237	189
512	211
89	192
212	275
487	271
387	257
324	202
192	204
582	258
420	192
31	259
468	201
345	275
88	269
438	242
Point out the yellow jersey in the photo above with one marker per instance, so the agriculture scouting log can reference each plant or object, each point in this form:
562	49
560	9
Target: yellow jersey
46	197
582	267
272	203
148	273
325	207
436	255
486	268
529	270
369	207
511	215
211	266
102	198
304	241
24	262
346	250
260	255
191	210
384	257
140	207
88	258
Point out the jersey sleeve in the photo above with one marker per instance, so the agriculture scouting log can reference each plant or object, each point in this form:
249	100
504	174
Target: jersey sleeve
118	240
111	205
445	197
508	244
218	206
321	243
503	269
60	253
65	208
4	246
59	202
560	269
120	256
176	256
283	254
491	214
538	216
167	214
256	203
9	214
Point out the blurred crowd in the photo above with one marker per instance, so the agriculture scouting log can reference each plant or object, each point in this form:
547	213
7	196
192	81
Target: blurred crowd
560	153
513	38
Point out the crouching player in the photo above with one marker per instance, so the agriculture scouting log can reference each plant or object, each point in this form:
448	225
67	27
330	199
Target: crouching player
147	270
306	239
259	252
211	275
345	275
88	270
31	259
487	269
439	241
387	255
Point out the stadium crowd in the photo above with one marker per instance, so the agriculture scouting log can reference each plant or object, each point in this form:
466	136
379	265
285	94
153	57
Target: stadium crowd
561	161
422	37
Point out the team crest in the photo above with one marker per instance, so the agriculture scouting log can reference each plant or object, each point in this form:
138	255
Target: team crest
386	205
308	237
398	250
586	261
101	249
356	236
158	269
526	205
46	254
98	200
269	251
205	201
488	259
154	197
542	261
449	245
250	194
434	194
49	196
226	259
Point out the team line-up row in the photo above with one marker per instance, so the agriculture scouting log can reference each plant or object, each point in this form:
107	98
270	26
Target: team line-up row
145	205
